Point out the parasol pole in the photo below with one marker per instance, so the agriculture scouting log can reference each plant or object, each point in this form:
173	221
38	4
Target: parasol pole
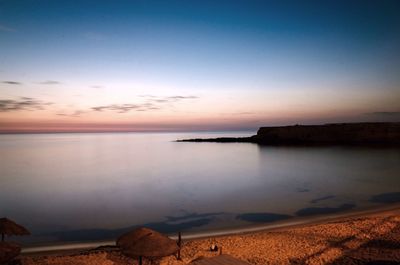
179	245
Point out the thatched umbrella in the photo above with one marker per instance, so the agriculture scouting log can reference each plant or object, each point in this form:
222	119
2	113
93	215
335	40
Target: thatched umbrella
144	242
8	251
8	227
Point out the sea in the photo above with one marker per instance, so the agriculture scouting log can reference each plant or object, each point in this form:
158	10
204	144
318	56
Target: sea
86	187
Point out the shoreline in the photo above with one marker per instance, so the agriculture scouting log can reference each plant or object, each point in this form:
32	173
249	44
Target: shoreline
361	133
370	236
61	248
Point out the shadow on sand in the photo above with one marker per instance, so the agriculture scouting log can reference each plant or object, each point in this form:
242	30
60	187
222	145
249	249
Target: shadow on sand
378	248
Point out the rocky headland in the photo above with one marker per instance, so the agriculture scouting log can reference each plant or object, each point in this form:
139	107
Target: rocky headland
327	134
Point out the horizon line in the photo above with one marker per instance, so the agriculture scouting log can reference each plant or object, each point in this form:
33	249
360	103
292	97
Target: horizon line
187	130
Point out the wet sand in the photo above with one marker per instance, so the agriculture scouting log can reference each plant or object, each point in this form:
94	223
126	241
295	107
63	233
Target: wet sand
359	239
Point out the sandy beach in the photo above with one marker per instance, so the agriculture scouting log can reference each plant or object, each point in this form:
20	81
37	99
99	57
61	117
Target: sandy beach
365	238
199	132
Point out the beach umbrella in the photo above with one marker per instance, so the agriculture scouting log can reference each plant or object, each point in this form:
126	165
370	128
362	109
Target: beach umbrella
8	227
8	251
144	242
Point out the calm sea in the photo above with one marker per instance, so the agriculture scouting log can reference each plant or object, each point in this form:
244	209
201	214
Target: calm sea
78	187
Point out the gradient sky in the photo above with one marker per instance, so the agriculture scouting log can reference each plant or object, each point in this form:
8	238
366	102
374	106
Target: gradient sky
196	65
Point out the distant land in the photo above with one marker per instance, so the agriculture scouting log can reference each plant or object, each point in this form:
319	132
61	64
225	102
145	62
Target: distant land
327	134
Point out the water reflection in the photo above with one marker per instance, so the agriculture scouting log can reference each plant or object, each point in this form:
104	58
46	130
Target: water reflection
295	175
263	217
170	226
324	210
97	183
324	198
391	197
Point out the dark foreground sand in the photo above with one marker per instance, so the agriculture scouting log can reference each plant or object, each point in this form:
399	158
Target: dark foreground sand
366	239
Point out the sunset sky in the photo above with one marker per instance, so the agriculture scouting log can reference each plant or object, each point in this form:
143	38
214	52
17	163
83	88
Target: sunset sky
196	65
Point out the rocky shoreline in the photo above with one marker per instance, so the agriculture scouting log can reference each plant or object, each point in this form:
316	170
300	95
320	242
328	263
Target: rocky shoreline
327	134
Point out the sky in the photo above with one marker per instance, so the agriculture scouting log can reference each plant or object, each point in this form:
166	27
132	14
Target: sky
80	66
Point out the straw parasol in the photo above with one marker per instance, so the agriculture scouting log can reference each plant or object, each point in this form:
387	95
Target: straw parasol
144	242
8	227
8	251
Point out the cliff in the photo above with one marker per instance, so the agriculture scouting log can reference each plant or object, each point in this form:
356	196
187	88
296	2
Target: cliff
343	133
327	134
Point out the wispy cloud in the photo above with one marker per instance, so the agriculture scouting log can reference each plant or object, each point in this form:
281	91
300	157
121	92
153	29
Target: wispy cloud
123	108
383	113
96	86
152	103
7	29
160	100
245	113
12	82
168	99
74	114
183	97
50	82
23	103
238	113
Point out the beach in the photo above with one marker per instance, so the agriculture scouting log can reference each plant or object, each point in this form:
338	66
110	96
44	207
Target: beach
206	132
360	238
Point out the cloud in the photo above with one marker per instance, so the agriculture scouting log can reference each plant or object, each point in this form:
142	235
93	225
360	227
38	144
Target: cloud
183	97
50	82
244	113
12	82
7	29
23	103
383	113
160	100
152	103
74	114
170	99
96	86
123	108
